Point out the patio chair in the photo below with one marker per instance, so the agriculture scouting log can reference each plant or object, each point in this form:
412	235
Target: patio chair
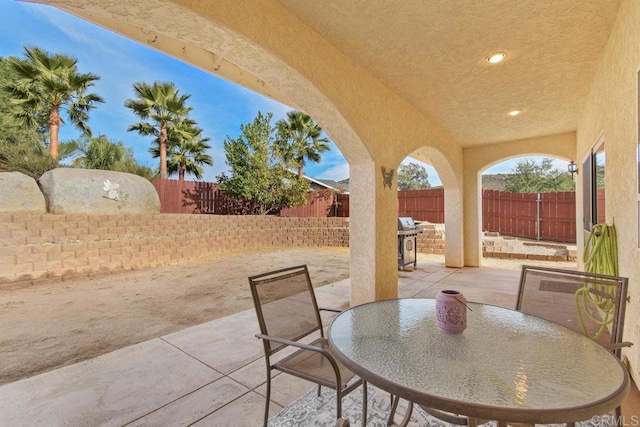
287	311
592	304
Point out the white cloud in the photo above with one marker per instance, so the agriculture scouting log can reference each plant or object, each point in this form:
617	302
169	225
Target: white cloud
337	172
74	28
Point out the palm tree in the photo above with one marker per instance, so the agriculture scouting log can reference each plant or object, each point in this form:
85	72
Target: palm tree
300	139
165	112
47	84
95	153
27	157
189	155
186	154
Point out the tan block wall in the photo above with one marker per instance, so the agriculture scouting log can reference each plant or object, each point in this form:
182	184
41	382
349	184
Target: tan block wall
36	247
514	248
44	247
431	241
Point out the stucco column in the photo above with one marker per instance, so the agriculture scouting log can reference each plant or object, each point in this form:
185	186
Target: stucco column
373	216
453	228
450	168
472	208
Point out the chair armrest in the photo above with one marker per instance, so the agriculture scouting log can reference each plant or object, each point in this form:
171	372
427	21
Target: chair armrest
295	344
335	310
308	347
331	310
617	345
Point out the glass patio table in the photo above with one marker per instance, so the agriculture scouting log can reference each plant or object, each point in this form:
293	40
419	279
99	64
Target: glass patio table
506	366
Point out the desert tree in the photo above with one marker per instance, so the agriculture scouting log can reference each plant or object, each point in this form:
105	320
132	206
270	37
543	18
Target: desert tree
186	153
163	111
47	87
412	176
528	176
300	140
258	172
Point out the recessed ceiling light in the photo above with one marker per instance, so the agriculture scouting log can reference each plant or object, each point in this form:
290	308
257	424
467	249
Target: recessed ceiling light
514	112
494	58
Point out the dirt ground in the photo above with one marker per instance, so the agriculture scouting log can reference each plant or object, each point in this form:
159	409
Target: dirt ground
58	323
50	325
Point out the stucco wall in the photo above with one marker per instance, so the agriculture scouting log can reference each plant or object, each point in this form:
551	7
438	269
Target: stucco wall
611	110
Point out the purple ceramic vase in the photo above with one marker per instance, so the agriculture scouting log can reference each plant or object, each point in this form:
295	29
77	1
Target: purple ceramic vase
451	312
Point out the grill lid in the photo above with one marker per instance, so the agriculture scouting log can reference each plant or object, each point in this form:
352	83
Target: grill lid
406	223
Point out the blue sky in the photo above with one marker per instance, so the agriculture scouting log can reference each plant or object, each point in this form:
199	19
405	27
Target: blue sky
219	107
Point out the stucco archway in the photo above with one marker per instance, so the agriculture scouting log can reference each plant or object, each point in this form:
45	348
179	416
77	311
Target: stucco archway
478	159
370	123
453	202
198	37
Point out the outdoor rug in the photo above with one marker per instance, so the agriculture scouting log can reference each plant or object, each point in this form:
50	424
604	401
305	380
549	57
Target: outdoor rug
314	410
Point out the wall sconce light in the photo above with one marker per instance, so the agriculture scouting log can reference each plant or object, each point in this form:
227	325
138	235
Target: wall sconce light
572	168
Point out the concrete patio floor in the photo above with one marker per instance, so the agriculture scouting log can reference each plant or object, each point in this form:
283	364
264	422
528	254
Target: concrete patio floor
213	374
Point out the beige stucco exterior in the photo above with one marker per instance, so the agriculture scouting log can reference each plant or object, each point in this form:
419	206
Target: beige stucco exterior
612	110
376	121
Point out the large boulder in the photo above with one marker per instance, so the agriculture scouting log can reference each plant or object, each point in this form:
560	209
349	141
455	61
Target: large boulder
20	193
91	191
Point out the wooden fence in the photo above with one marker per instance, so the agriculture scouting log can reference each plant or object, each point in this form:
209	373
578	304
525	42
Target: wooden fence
543	216
194	197
319	204
422	205
342	205
185	196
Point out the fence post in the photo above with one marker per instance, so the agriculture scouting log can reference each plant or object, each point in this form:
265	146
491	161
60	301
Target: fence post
538	203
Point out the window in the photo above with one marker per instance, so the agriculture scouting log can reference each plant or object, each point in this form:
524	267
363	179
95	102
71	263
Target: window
587	217
593	186
598	184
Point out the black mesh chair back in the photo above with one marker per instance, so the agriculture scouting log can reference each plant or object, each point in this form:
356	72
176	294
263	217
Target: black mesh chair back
593	304
285	304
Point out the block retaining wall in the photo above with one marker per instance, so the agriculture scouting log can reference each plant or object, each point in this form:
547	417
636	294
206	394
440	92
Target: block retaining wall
512	248
42	247
431	241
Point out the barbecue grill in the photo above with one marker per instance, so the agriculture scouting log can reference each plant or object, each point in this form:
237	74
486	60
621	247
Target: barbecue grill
408	231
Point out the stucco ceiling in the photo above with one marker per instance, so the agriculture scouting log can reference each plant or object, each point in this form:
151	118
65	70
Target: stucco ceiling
432	53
